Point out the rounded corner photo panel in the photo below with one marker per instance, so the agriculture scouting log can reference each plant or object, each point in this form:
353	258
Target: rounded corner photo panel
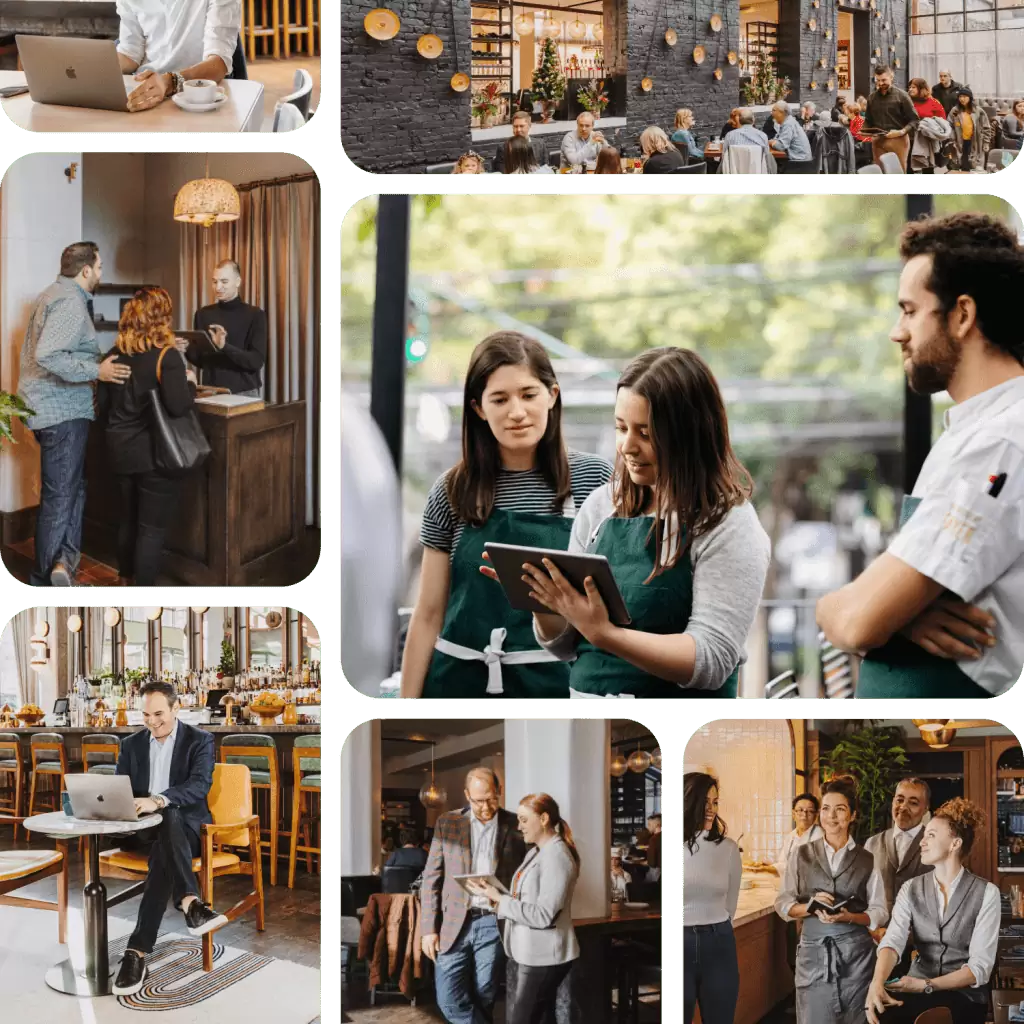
144	66
663	455
161	414
160	839
501	870
845	870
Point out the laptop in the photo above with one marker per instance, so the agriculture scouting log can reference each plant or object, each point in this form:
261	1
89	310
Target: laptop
74	72
101	797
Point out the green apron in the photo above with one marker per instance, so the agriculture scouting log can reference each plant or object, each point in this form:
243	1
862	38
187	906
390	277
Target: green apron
486	647
899	668
661	606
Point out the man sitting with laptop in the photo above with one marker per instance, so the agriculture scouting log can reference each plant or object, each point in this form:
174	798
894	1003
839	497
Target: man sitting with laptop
177	41
170	765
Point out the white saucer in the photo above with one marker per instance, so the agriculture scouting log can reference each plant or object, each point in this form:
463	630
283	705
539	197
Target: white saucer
636	906
198	108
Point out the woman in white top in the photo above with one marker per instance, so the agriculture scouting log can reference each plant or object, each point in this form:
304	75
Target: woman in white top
538	933
711	890
620	876
954	917
805	818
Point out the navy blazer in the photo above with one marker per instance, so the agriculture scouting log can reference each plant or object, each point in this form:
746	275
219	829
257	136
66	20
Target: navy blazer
191	771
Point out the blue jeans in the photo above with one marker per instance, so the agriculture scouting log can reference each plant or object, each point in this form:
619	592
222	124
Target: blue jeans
61	497
466	977
711	973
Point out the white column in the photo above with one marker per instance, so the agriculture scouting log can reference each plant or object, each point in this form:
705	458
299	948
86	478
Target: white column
569	761
361	800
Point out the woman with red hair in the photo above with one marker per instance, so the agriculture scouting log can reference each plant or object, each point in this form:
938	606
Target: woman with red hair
148	498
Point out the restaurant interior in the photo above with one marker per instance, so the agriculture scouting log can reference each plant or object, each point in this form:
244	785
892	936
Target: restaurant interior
69	696
250	515
762	765
399	776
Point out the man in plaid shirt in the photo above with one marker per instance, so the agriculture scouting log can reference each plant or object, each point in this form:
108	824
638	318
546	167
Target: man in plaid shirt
60	359
460	931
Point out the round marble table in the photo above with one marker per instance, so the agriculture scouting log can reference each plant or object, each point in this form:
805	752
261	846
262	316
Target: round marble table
94	978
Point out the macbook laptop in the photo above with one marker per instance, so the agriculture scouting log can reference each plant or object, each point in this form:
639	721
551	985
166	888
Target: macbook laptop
74	72
101	797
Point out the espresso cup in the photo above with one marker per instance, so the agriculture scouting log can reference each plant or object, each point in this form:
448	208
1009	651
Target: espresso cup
200	90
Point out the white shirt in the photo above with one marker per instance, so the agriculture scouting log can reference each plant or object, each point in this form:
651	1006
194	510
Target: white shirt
169	35
791	840
483	836
904	840
981	953
878	912
711	881
160	755
970	542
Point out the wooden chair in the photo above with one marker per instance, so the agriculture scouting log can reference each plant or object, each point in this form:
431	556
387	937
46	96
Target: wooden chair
936	1015
305	758
19	868
100	752
258	752
304	23
267	27
234	828
50	762
12	778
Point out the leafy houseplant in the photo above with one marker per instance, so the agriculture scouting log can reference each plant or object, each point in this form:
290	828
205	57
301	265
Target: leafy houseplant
12	407
485	103
548	81
226	668
593	98
764	85
876	758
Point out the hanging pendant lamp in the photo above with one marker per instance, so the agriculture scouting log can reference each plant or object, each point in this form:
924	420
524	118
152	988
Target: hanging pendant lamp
207	201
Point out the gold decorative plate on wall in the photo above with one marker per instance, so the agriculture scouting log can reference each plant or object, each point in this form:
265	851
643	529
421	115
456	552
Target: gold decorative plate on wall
460	81
699	54
718	74
731	57
671	36
429	46
381	24
716	23
647	84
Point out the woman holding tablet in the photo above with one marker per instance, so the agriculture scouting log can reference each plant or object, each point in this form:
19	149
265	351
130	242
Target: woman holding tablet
954	918
836	954
516	483
682	540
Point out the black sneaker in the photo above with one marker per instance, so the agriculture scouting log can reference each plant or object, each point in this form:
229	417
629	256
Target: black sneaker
132	974
202	919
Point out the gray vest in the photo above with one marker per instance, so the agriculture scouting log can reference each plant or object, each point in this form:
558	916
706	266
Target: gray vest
943	945
814	875
895	874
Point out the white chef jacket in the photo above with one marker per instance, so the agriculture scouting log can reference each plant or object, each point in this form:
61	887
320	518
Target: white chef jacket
790	842
968	541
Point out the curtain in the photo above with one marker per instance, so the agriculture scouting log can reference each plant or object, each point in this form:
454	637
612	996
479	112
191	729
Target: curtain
276	243
21	626
96	631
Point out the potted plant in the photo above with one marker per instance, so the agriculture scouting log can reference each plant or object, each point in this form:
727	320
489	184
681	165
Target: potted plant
12	407
548	81
226	668
485	103
593	98
765	86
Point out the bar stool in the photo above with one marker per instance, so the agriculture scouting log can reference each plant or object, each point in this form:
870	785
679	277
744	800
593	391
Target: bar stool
49	761
11	765
258	752
100	752
253	29
298	25
305	758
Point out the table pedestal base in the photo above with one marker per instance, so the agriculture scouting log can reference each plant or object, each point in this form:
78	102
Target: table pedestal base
73	981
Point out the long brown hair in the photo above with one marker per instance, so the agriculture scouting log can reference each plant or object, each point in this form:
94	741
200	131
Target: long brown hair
700	479
470	484
145	322
696	786
541	803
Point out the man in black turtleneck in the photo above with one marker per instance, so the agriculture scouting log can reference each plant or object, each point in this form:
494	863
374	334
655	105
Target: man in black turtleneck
239	332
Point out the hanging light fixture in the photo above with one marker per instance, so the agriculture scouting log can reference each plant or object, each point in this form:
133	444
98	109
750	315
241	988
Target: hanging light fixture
523	24
207	201
577	29
551	29
431	794
656	758
598	31
618	767
639	761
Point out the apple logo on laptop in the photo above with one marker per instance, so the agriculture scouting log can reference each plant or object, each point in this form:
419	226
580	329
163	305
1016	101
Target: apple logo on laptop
99	798
70	72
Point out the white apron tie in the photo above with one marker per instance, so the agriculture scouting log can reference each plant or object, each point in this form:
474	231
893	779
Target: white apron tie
494	657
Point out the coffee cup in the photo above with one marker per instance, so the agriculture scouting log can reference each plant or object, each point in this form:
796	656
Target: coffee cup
200	90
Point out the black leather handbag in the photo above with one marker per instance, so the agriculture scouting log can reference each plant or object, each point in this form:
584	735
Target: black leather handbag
179	444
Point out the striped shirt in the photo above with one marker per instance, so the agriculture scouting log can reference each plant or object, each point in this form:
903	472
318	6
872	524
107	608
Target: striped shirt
516	491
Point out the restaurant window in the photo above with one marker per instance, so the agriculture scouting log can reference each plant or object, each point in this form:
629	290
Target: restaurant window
266	637
174	640
136	638
759	34
310	642
9	669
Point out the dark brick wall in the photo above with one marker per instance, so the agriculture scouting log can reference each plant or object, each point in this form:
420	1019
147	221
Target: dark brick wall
398	110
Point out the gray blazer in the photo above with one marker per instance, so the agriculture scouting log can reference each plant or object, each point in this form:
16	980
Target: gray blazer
538	928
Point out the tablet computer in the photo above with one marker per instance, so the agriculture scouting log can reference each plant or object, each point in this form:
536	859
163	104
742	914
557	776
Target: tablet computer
489	879
201	339
508	561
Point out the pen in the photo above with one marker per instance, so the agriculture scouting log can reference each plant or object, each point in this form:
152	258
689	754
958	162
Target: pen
996	482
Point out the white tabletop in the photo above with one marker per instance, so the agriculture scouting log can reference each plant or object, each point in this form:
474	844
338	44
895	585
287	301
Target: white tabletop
58	824
242	112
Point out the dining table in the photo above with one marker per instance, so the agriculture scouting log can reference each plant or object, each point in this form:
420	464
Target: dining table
93	977
242	111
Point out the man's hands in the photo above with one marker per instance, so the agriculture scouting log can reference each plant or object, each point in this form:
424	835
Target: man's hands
219	335
152	90
113	372
431	944
146	805
949	628
878	1000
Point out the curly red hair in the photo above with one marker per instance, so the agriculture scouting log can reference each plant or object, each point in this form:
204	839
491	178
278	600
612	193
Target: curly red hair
145	322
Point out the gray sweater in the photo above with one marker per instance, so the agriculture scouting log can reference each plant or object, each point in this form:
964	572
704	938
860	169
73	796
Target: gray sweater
729	562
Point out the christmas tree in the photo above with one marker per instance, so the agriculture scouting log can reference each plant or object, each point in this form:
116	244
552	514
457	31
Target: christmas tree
548	81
